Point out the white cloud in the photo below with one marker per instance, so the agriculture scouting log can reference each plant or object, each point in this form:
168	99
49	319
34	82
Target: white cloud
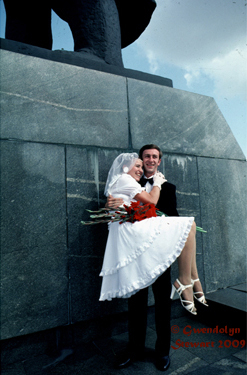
153	63
191	76
202	37
228	73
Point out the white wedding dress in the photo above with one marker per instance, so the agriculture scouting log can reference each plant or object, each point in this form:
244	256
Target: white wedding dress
138	253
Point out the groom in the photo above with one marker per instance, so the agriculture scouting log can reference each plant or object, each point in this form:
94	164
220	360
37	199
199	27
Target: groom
138	303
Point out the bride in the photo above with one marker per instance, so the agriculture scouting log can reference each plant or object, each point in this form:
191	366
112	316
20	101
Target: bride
138	253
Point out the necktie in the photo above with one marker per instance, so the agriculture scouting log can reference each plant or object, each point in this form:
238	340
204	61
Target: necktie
143	181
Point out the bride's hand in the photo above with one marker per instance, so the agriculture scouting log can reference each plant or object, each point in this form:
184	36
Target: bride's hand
159	179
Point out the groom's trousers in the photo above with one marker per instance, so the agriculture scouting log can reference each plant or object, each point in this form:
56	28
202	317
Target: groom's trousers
138	309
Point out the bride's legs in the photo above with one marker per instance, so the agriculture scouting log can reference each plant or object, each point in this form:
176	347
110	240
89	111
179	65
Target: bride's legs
197	287
194	272
187	264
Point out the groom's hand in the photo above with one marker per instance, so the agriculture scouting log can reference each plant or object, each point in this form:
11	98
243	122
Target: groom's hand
113	203
159	179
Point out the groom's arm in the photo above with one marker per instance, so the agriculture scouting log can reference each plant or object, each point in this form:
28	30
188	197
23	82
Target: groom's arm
113	203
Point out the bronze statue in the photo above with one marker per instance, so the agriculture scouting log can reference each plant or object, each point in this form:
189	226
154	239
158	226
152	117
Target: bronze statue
99	27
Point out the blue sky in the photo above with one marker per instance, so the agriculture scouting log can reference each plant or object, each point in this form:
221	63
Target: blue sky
199	44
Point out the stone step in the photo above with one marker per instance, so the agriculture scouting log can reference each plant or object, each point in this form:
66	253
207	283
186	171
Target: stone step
233	296
227	309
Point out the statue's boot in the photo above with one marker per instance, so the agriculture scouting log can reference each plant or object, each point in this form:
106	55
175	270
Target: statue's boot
95	27
29	22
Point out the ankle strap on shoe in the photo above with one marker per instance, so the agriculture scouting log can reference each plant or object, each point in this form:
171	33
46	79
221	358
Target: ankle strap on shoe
182	287
193	281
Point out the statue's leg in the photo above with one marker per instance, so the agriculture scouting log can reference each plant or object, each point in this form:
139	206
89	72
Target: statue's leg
95	27
29	21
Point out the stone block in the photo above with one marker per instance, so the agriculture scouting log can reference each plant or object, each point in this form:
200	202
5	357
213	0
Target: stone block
85	291
82	59
87	171
82	194
46	101
179	122
229	297
33	238
223	212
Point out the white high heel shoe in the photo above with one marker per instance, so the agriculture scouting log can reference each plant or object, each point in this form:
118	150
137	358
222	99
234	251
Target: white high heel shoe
190	306
201	299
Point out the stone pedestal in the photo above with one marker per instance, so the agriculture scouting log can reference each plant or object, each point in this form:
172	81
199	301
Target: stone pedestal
61	127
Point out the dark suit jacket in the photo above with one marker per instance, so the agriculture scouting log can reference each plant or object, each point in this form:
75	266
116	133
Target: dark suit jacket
168	202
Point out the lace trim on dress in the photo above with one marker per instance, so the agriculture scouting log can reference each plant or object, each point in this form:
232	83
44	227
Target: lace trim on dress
136	253
148	279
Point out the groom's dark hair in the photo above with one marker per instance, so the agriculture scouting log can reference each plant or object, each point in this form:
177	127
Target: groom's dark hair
148	147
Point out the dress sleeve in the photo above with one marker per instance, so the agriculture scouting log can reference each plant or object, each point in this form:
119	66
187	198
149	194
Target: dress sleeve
129	186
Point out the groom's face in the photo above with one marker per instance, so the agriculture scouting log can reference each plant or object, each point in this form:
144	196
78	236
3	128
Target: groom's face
151	161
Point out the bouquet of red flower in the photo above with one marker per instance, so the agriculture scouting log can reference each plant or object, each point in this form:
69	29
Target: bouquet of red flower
137	212
134	212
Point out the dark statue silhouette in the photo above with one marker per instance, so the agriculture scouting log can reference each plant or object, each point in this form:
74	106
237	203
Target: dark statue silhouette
99	27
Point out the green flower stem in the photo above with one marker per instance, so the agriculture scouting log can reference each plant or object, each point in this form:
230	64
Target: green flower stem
199	229
107	215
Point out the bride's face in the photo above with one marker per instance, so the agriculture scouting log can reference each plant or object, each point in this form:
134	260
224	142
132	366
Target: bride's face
137	171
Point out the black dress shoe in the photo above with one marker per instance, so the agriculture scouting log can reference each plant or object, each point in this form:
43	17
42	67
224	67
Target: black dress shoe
126	358
162	363
123	360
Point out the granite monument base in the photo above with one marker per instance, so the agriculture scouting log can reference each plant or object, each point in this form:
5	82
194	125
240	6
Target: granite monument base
61	127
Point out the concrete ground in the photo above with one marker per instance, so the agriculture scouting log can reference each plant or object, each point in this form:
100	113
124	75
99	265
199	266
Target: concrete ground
211	343
194	350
